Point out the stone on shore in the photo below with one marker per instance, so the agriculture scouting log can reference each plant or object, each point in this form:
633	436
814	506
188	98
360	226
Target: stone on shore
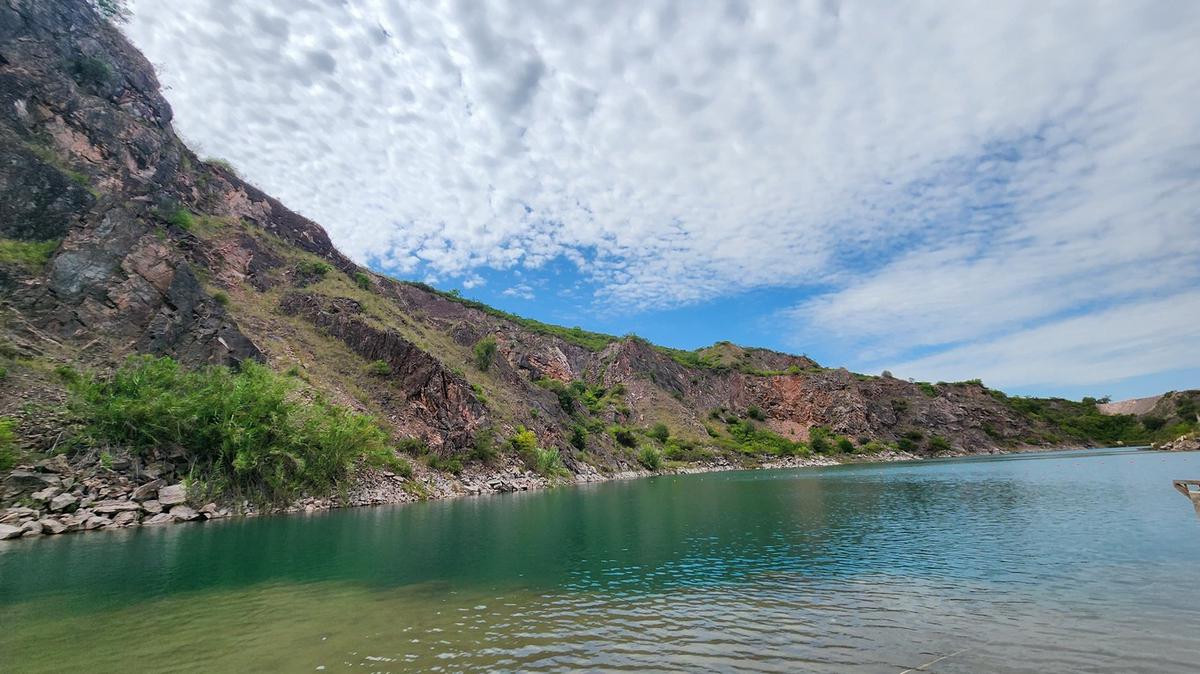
161	518
147	490
62	502
50	526
45	495
8	531
183	513
152	506
96	522
172	495
32	528
115	506
126	518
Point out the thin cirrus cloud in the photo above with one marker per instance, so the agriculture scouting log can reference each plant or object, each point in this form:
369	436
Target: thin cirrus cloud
928	179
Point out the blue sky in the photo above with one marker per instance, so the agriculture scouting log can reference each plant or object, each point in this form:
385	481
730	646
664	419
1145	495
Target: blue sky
1008	191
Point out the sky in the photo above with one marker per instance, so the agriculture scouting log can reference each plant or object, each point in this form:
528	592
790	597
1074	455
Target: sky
1002	190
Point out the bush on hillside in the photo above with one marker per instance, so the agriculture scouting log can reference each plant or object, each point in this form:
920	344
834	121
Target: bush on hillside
650	458
485	352
659	432
8	444
244	429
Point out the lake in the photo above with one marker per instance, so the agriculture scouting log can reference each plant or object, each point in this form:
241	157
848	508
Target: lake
1070	561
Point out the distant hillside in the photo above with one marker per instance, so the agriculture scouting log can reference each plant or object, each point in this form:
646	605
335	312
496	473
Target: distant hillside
118	240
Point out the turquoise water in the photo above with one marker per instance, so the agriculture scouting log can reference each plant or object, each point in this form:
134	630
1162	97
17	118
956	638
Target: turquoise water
1076	561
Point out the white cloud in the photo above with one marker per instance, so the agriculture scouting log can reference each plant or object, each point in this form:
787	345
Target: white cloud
1106	346
521	290
944	173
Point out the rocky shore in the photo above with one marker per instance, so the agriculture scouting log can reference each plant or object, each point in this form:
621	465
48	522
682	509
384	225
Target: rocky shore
98	492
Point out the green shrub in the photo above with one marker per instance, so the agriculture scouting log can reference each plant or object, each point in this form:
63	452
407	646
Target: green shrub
485	352
413	446
362	280
545	462
1153	423
399	465
939	444
221	297
483	446
579	436
179	216
650	458
31	255
379	368
819	440
927	388
90	71
659	432
756	413
748	438
624	436
906	444
315	269
450	464
845	446
242	429
8	444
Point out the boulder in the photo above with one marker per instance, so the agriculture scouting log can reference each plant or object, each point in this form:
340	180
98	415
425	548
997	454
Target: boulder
50	527
8	531
16	514
126	518
172	495
161	518
25	479
115	506
152	506
147	490
96	522
32	528
45	495
210	510
63	502
56	464
183	513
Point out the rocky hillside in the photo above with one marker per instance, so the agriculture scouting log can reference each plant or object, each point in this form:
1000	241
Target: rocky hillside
117	239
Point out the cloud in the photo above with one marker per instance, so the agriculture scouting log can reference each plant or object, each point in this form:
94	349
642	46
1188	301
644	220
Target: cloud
1106	346
521	290
929	175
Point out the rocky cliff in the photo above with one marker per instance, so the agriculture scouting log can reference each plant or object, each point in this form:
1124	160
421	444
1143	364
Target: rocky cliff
118	239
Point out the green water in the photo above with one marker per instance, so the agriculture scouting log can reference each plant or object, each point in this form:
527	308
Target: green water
1081	561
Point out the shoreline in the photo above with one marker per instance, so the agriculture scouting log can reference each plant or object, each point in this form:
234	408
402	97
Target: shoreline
105	499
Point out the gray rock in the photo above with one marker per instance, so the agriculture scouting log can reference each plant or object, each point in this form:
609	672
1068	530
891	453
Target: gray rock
8	531
96	522
24	479
17	513
116	506
51	527
209	510
44	495
126	518
152	506
161	518
32	528
183	513
147	490
172	495
62	502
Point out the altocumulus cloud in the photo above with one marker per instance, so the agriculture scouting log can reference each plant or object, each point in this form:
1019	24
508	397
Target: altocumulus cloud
936	180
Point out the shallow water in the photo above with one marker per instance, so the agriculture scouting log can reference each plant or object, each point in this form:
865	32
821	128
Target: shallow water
1076	561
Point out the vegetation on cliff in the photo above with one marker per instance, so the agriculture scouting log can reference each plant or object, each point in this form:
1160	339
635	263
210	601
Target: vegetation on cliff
247	430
